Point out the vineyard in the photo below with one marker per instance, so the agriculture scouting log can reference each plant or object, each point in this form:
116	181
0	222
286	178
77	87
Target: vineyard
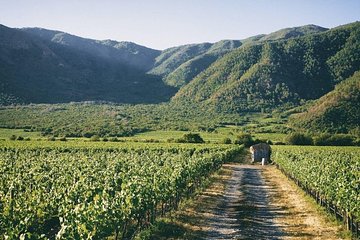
330	174
97	190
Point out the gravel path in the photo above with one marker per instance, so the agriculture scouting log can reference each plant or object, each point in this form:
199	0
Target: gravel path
244	211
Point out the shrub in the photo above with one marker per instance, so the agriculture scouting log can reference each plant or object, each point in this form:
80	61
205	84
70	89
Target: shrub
191	138
51	138
245	139
322	140
226	141
151	140
180	140
12	137
95	138
63	139
334	140
20	138
105	140
342	140
88	135
298	139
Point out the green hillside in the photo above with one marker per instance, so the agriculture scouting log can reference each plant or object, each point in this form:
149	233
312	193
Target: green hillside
172	58
336	112
266	75
179	65
189	69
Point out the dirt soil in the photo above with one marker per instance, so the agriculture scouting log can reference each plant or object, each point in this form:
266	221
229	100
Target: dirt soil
250	202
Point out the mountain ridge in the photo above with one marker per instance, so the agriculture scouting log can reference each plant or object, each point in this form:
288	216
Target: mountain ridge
263	73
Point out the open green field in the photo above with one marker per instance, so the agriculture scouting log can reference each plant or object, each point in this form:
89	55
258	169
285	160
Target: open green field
274	137
6	133
212	137
216	136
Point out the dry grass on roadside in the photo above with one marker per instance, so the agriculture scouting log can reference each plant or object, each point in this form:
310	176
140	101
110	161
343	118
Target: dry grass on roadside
188	222
304	218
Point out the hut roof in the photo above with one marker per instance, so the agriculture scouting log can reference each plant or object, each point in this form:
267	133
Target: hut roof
260	146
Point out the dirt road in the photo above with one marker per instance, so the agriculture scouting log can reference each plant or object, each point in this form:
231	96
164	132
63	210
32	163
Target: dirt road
260	203
251	202
244	210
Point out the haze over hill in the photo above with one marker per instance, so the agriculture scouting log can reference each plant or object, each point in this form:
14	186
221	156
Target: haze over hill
128	53
42	66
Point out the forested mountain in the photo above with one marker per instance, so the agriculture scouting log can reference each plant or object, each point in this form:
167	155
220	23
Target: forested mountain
34	69
336	112
262	72
171	58
189	69
128	53
267	74
179	65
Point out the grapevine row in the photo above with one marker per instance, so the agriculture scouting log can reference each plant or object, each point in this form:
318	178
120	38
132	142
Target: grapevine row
93	193
334	173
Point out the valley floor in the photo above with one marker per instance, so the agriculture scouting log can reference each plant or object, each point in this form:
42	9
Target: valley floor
250	202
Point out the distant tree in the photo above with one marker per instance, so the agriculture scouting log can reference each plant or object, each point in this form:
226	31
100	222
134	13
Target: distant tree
298	139
95	138
52	138
322	140
19	138
334	140
226	141
191	138
245	139
88	135
63	139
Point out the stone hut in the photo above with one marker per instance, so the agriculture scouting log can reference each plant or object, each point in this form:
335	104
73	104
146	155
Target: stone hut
260	151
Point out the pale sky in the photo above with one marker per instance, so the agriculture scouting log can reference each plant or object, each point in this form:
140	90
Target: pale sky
161	24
